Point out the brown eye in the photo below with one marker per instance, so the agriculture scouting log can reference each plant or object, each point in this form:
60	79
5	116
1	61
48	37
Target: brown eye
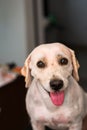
63	61
41	64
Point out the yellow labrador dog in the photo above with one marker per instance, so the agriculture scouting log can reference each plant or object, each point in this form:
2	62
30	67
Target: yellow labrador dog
54	97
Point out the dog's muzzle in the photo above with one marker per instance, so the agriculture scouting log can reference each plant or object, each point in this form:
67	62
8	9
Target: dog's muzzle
56	95
56	84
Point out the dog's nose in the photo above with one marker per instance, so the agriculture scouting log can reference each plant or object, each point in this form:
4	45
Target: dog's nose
56	84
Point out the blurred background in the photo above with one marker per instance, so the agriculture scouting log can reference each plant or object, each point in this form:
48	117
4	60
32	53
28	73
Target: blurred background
24	24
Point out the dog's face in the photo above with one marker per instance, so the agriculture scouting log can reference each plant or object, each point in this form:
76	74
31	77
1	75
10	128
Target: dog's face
51	65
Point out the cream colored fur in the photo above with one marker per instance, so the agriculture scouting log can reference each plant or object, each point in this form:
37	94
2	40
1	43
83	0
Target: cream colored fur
38	103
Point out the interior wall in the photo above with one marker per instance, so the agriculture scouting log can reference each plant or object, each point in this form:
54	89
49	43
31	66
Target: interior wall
77	21
13	38
72	17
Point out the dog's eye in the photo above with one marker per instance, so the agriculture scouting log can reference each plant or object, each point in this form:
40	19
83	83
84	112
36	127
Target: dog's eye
63	61
41	64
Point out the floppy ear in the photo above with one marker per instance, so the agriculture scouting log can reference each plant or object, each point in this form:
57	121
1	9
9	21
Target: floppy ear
25	71
75	65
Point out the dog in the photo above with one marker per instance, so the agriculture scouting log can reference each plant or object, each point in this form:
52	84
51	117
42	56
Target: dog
54	97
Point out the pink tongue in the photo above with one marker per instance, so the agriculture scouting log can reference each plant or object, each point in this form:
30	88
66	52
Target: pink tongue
57	98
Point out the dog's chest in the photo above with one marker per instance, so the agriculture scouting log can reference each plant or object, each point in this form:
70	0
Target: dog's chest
54	119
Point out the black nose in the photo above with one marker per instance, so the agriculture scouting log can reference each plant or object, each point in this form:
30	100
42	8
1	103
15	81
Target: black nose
56	84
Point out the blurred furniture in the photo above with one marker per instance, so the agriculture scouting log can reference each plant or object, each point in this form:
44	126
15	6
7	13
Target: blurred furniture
13	115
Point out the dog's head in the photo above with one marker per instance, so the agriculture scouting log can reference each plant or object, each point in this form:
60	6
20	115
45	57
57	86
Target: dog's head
51	65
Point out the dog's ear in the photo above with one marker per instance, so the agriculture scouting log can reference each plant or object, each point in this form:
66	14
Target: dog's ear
25	71
75	65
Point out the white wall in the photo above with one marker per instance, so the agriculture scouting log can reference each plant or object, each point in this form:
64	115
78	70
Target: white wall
13	39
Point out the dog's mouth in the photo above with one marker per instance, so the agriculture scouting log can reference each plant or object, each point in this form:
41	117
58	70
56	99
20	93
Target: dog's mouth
57	97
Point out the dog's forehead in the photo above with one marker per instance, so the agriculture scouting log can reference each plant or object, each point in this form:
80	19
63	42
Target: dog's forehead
54	49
